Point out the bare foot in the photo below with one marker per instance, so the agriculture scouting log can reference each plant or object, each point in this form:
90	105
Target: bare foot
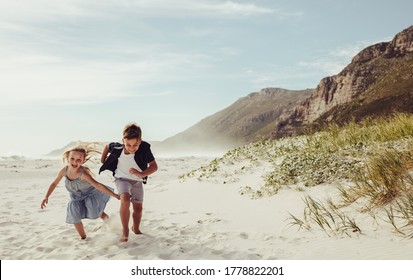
137	231
125	234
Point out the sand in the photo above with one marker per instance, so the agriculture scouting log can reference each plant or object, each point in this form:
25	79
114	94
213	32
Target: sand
182	220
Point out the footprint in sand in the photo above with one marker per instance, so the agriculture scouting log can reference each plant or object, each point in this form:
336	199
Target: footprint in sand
96	228
244	235
178	213
111	224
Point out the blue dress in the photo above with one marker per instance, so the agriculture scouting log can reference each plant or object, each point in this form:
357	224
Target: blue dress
85	200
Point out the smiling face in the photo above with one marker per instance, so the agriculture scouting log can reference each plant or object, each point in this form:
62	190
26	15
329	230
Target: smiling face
76	159
131	145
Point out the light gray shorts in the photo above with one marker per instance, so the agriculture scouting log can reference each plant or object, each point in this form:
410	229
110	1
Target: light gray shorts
134	188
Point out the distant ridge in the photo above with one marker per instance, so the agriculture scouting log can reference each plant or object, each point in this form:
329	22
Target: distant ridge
249	119
59	152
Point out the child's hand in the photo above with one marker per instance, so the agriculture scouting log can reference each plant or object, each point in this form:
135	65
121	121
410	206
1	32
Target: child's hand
135	172
44	202
117	196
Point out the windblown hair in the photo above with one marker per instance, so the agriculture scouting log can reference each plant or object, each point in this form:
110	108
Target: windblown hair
87	148
132	131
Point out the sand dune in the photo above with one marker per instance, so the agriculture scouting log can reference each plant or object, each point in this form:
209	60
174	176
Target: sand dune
189	220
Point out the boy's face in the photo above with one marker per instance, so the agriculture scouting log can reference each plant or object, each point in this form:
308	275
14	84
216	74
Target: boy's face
131	145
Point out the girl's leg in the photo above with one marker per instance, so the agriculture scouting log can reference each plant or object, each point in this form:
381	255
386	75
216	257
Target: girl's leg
124	215
80	230
137	217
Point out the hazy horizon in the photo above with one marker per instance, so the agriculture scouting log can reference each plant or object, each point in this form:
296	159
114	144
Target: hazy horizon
81	70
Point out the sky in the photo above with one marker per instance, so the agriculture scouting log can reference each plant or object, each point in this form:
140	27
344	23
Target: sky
82	69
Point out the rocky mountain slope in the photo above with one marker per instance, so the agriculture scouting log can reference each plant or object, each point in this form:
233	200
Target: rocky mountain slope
377	82
249	119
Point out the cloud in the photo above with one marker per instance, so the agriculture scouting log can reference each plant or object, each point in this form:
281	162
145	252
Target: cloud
194	8
54	63
46	10
233	8
303	74
34	76
27	82
349	51
79	52
290	77
331	62
325	66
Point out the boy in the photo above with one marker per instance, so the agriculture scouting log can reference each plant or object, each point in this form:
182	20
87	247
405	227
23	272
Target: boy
131	163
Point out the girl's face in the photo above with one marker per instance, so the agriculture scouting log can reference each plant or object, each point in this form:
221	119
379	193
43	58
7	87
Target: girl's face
131	145
76	159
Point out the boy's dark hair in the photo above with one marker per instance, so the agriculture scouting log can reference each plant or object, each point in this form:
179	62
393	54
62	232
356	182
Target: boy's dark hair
132	131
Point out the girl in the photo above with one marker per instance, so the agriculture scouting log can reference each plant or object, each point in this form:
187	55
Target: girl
88	197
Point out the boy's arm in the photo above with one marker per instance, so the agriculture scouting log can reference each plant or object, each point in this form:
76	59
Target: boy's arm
152	168
104	154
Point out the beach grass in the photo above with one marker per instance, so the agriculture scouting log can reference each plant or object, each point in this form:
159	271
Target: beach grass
374	157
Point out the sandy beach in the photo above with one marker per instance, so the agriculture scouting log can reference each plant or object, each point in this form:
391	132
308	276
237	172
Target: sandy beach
183	220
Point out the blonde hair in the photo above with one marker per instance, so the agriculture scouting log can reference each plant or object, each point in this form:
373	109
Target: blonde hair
132	131
87	148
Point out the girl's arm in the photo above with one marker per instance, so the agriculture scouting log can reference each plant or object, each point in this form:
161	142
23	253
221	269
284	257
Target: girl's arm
88	178
52	186
104	154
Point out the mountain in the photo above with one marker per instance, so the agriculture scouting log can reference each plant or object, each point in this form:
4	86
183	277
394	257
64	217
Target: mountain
59	152
377	82
249	119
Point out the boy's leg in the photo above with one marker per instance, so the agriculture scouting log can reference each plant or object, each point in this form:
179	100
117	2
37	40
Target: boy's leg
137	217
124	215
124	212
80	230
137	201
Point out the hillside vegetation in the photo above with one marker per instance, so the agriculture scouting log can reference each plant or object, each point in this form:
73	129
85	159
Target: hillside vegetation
371	162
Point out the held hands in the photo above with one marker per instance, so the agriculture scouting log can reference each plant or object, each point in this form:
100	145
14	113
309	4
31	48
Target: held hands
135	172
117	196
44	202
